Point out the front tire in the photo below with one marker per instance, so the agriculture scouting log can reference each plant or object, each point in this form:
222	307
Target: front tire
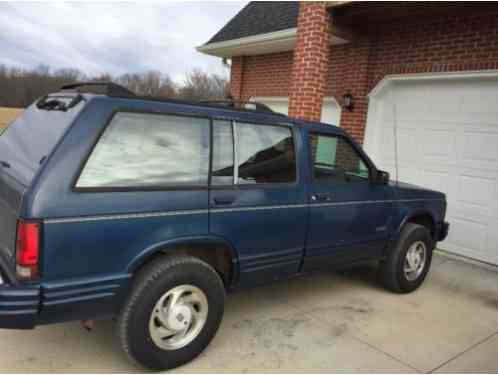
407	265
172	313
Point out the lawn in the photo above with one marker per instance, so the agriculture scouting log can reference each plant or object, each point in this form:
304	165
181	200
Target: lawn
7	115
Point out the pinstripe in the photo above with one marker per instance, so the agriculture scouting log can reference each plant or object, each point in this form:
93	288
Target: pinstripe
83	219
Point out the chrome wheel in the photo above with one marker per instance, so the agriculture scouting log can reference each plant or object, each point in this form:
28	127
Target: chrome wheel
415	259
178	317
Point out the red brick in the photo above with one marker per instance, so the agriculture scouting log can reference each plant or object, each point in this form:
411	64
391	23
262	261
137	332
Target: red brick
467	41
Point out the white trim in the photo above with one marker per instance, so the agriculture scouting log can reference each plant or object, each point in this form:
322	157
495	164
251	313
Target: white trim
269	40
393	78
276	41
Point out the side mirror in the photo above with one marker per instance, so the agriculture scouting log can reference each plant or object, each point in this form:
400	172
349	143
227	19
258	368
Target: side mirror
381	178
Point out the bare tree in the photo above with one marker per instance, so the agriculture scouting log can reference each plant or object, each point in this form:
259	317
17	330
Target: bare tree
21	87
203	86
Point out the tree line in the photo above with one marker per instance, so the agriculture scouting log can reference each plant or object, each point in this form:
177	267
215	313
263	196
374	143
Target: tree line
21	87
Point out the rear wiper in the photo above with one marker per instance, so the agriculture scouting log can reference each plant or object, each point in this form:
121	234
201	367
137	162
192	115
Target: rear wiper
4	164
52	103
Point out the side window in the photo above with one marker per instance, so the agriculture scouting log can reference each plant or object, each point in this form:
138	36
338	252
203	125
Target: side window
335	160
264	154
149	150
223	158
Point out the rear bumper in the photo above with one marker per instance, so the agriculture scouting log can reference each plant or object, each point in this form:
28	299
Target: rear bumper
443	231
26	306
19	306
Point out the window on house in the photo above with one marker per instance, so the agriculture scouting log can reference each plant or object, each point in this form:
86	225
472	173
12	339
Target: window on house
335	160
149	150
223	158
265	154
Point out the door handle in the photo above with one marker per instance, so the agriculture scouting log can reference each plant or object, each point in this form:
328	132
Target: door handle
224	200
321	197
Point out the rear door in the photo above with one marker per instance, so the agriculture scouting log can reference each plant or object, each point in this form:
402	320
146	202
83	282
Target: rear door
260	204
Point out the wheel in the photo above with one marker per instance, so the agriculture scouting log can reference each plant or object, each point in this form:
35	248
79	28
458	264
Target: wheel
408	263
172	313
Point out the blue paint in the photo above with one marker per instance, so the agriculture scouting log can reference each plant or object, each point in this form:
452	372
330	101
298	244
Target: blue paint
93	242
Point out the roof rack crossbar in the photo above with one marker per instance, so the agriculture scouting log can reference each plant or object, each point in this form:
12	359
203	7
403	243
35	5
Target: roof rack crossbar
111	88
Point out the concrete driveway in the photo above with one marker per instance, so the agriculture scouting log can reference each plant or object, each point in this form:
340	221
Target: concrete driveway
333	321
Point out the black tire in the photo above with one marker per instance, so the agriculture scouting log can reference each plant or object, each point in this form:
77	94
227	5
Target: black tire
392	269
150	285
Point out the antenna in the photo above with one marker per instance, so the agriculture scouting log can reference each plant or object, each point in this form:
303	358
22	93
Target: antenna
395	133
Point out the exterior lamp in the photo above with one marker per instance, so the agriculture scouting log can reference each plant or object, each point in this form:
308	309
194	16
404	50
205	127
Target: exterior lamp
348	102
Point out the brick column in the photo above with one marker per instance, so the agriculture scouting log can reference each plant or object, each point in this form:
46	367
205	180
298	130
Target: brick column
236	77
311	61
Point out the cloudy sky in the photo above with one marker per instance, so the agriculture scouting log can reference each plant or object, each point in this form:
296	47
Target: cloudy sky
112	37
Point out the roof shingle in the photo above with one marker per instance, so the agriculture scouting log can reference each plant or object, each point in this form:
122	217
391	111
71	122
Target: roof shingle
259	18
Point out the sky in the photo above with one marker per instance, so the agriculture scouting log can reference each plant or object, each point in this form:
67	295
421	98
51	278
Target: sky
116	38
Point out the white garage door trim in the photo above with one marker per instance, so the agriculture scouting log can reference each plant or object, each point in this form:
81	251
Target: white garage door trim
285	100
469	127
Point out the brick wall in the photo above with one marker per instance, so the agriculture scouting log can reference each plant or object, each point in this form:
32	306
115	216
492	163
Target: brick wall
310	61
420	44
266	75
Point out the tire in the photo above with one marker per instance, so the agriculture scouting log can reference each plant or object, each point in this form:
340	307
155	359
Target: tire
394	271
157	285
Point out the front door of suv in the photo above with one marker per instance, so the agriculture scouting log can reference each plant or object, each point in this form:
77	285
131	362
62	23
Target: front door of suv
350	216
259	205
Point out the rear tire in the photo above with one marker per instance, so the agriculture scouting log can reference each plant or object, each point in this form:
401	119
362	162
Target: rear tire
172	313
407	265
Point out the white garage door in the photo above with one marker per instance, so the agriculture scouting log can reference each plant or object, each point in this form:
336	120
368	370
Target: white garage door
331	111
447	135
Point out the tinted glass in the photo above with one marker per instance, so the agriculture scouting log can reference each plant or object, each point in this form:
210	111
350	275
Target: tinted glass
222	173
147	150
336	160
31	137
265	154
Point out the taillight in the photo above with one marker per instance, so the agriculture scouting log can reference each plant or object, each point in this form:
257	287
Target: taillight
28	250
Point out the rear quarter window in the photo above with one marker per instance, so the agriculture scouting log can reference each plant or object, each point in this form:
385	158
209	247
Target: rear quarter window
141	150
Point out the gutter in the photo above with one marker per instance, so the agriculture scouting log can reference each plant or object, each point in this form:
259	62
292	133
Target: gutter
282	38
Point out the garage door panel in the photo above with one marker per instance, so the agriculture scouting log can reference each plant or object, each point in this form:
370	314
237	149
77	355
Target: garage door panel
475	190
447	141
439	144
407	148
468	234
480	146
436	180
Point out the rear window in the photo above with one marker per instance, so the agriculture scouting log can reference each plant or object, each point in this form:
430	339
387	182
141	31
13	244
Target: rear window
26	143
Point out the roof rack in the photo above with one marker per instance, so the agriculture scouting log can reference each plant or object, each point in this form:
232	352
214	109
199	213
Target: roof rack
110	88
114	90
240	104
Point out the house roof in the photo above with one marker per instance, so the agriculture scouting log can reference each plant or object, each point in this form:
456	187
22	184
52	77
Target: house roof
259	17
260	28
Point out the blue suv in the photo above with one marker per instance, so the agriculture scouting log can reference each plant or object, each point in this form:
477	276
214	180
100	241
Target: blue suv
148	211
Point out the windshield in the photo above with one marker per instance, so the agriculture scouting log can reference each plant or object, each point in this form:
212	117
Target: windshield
26	143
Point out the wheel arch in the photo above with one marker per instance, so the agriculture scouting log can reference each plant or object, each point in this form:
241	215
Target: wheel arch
422	217
214	250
